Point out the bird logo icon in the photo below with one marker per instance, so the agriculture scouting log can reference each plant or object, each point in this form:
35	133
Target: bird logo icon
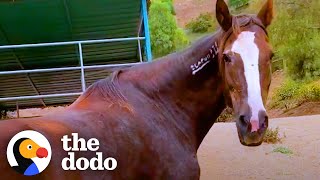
29	153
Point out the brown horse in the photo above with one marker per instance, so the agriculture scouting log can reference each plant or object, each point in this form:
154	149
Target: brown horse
152	118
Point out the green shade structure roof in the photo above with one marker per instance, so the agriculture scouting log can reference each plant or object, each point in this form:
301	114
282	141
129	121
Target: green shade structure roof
25	22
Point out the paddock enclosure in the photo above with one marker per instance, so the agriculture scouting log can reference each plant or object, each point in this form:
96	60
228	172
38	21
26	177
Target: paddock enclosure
52	50
153	118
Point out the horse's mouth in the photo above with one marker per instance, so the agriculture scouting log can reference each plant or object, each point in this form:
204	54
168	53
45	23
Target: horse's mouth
251	139
251	144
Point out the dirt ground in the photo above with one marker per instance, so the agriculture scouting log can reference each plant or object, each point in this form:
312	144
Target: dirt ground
221	156
186	10
308	108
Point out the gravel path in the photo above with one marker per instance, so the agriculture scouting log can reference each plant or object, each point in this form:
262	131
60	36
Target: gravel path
221	156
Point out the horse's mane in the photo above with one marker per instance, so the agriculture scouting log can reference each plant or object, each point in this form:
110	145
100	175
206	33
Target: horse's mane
106	89
109	88
243	20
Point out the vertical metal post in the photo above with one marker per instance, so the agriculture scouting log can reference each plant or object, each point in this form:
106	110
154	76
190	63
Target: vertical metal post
139	42
139	49
17	106
83	81
146	30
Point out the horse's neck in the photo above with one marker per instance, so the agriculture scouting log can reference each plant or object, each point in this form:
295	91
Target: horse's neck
197	97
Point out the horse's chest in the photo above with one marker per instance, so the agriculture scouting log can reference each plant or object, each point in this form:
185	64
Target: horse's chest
171	165
170	159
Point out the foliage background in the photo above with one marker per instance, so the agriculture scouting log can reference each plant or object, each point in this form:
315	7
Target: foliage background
203	23
295	36
238	3
294	33
166	36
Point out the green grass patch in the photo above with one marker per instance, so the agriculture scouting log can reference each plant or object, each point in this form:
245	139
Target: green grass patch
293	93
283	150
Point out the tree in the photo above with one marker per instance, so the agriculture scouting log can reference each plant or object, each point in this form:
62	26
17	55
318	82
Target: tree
166	37
295	37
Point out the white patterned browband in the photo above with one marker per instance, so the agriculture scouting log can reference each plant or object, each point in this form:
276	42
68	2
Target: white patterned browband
196	67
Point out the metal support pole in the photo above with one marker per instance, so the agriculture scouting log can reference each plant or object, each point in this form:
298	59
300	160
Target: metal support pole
17	106
139	50
20	98
139	42
146	30
83	81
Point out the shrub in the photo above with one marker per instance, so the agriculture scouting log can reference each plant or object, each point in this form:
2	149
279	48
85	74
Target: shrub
203	23
293	93
180	39
166	37
170	6
310	92
288	90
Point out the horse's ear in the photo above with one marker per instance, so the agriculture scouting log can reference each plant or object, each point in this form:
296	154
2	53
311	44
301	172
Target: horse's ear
266	13
223	15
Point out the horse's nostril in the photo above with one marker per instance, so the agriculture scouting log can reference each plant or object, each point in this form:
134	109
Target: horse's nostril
266	122
242	119
264	125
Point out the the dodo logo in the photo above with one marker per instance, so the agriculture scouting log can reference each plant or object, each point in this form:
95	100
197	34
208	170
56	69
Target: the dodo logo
29	152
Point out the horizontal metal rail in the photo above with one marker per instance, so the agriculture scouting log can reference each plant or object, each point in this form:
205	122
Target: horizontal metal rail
69	68
60	69
39	96
71	43
81	67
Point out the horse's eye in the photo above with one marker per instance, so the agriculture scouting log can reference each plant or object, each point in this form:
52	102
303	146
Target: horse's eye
226	58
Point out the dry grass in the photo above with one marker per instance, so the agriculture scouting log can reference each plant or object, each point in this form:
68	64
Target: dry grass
272	136
226	116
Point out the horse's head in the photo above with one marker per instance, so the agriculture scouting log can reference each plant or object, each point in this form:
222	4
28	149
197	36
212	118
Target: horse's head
245	63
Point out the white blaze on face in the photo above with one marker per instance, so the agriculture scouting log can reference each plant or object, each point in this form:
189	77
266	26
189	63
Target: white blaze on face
246	47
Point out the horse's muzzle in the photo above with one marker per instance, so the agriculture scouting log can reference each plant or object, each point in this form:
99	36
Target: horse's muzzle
251	139
251	132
